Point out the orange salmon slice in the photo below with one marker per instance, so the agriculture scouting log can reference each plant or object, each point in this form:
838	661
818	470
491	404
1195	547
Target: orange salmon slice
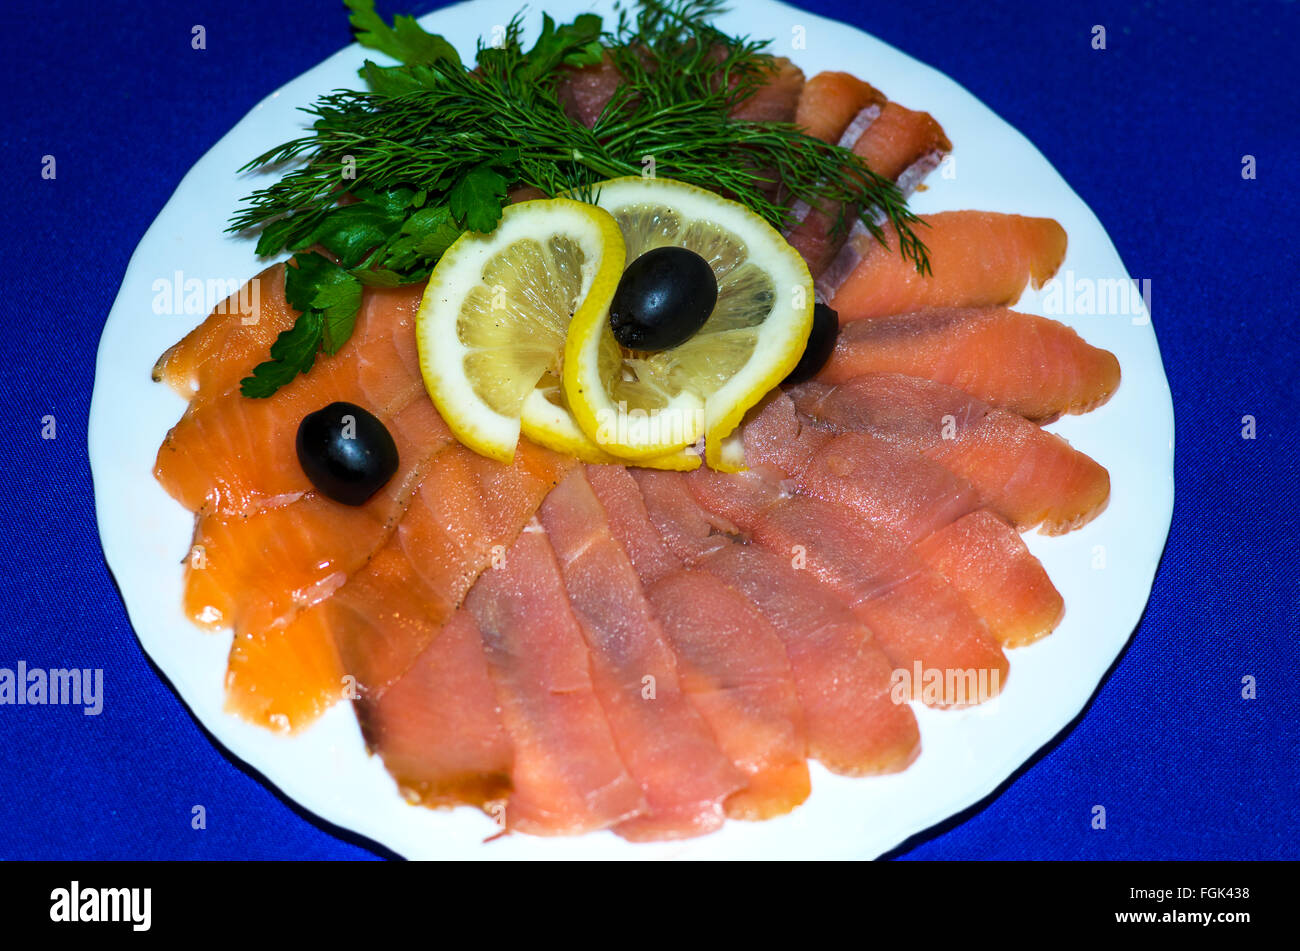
231	453
212	358
732	663
1029	476
829	102
568	777
916	616
438	729
466	512
667	746
984	559
1029	365
853	725
896	143
977	259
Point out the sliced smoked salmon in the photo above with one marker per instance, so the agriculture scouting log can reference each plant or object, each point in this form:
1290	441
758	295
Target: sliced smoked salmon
667	746
1029	365
903	492
984	559
853	724
229	453
438	729
896	143
567	776
1029	476
213	357
830	100
256	572
918	500
916	616
465	513
734	669
977	259
733	664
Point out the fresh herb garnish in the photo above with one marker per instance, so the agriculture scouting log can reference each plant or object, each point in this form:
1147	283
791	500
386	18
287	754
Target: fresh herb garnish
389	177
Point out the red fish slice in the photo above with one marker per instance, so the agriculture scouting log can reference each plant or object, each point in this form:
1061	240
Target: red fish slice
984	559
733	665
916	616
830	101
853	723
257	572
1026	364
917	500
211	358
464	515
1027	475
567	777
586	91
439	729
666	744
896	143
230	453
977	259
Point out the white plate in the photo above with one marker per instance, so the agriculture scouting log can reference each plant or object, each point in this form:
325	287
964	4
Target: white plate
1104	571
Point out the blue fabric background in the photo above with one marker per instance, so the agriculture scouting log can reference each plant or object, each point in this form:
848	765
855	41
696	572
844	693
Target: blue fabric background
1151	132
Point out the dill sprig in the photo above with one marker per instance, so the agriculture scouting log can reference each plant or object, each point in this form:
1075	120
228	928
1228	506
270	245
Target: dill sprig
389	176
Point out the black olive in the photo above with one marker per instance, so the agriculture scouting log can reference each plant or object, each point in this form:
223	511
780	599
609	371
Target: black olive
346	452
821	341
663	298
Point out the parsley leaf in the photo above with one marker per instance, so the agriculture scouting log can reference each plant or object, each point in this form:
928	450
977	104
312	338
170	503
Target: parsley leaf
293	352
321	286
573	44
476	198
351	231
405	40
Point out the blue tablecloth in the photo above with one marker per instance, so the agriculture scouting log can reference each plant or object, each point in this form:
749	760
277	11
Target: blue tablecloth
1151	132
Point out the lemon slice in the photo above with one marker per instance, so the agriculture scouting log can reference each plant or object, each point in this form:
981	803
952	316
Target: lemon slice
548	422
638	406
494	317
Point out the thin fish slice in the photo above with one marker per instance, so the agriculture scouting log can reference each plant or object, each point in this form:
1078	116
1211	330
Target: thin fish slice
1029	476
896	143
568	777
921	502
438	729
257	573
585	92
667	746
830	100
735	671
918	619
465	514
977	259
211	358
853	724
1029	365
231	453
902	492
732	663
777	100
897	139
984	559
